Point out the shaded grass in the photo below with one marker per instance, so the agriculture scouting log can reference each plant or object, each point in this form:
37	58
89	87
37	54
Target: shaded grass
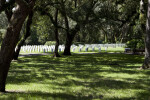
78	77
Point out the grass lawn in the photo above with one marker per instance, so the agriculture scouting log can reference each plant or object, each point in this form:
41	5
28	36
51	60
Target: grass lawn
78	77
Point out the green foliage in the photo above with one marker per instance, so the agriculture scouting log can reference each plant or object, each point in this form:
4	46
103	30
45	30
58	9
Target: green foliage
106	20
3	21
2	33
42	28
135	44
142	18
50	43
141	44
3	26
132	43
33	39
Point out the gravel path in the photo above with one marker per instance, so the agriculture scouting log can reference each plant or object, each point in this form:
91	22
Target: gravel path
32	54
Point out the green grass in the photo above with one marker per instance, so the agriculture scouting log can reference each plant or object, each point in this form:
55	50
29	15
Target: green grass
109	50
78	77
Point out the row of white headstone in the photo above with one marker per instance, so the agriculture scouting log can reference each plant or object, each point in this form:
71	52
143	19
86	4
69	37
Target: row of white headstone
79	48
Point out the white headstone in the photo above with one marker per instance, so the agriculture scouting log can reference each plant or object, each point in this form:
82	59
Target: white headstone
99	49
44	50
105	48
93	48
86	49
80	49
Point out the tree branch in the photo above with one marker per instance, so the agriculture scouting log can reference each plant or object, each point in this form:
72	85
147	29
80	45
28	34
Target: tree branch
22	3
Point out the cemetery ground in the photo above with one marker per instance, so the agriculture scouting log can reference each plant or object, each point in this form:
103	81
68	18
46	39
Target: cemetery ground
78	77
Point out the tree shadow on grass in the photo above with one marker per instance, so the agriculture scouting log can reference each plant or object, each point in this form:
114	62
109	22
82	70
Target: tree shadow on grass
12	95
79	71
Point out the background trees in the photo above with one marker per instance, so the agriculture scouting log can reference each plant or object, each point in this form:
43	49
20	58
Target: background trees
3	26
109	22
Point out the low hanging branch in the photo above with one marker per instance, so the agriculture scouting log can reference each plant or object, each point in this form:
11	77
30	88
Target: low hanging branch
26	35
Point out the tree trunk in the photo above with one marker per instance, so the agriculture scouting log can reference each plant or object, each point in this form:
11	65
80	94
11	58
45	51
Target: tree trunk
147	40
54	21
56	54
70	35
26	35
16	53
68	44
11	39
3	74
69	39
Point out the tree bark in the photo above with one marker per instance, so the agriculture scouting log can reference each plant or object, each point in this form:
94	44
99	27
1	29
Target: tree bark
16	53
26	35
147	40
56	54
68	37
68	44
11	38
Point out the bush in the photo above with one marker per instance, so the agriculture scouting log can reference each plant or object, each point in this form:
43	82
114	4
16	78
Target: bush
140	44
50	43
135	44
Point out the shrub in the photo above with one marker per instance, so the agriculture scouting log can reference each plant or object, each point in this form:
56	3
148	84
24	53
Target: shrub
140	44
135	44
50	43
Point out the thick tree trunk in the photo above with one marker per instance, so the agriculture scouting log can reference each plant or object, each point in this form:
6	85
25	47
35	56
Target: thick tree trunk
26	35
3	75
56	54
11	39
147	40
70	35
69	38
68	44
